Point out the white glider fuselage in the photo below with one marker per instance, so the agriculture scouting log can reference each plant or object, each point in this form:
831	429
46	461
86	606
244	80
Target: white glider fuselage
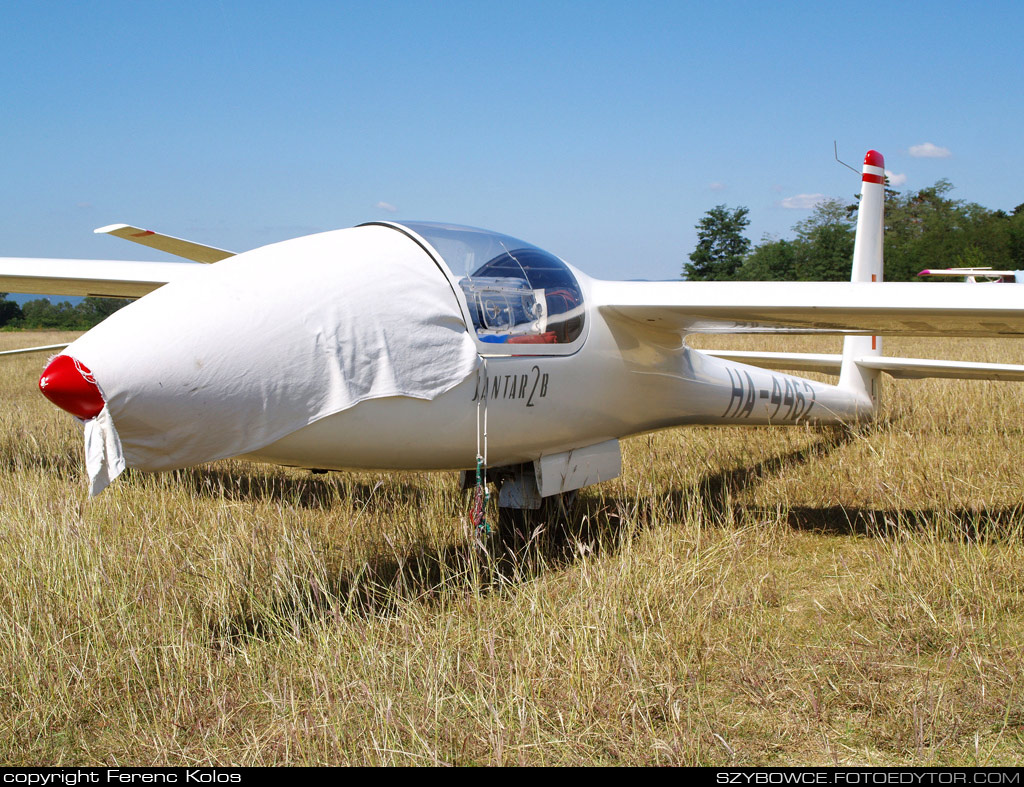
624	380
417	346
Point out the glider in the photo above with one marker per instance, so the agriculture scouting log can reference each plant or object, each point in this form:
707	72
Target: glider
978	275
410	345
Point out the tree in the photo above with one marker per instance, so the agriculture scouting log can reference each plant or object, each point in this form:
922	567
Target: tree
1015	238
94	310
721	246
825	243
771	260
929	229
41	313
821	251
923	229
9	310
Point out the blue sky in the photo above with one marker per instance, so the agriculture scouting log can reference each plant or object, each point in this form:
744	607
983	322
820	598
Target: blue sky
600	131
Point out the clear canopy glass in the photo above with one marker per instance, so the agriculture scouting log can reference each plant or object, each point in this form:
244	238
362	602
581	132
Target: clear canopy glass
516	293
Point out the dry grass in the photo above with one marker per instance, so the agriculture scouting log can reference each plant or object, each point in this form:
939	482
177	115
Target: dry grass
739	596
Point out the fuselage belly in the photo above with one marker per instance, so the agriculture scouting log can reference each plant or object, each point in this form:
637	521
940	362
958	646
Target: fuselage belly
542	405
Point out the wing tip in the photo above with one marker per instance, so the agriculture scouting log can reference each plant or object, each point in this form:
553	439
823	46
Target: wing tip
110	228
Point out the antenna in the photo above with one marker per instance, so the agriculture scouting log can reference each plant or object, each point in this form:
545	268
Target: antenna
835	147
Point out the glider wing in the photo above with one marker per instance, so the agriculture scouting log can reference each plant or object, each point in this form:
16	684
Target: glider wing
187	249
854	308
897	367
98	278
42	348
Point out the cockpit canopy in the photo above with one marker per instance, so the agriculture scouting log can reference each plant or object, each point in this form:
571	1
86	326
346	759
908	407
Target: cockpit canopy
516	293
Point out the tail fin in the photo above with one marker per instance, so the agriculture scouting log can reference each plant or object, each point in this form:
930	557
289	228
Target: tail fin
867	267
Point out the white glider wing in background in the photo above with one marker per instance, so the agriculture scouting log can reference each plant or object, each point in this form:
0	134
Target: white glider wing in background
986	275
98	278
108	278
187	249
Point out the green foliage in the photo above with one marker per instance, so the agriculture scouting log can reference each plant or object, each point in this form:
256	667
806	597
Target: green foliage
1014	229
721	246
773	260
923	229
10	312
827	237
43	314
821	251
929	229
96	310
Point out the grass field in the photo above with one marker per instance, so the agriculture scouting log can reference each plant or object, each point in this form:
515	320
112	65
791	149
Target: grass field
738	596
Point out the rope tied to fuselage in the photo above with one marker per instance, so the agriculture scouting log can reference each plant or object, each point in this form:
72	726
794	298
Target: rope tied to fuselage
481	494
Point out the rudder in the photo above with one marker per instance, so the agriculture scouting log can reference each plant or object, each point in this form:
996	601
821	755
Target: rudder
867	268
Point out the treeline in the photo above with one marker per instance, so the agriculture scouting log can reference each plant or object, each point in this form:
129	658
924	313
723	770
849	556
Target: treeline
41	313
923	229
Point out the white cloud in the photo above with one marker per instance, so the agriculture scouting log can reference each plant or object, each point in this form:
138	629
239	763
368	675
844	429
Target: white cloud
386	206
928	150
802	201
896	178
716	186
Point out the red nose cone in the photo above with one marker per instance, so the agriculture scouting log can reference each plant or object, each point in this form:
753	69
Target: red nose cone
70	385
874	158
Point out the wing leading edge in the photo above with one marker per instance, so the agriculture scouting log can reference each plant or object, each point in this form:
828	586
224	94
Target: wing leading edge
97	278
847	308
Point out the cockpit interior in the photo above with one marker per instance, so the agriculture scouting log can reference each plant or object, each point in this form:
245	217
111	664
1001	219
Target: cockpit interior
516	293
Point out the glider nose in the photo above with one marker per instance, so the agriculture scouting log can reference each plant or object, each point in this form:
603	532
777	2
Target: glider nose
70	385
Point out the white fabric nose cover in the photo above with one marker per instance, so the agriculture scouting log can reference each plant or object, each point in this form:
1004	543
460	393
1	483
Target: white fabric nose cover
259	345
